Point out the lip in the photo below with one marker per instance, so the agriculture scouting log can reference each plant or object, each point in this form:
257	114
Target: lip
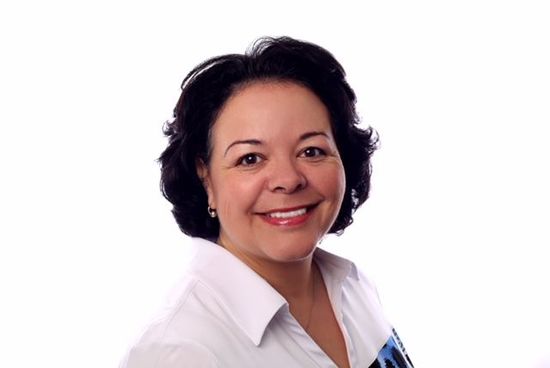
288	221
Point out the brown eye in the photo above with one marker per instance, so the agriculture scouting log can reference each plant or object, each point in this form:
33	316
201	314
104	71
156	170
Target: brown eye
313	152
249	159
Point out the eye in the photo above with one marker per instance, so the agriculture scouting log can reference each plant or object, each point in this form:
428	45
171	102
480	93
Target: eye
249	159
313	152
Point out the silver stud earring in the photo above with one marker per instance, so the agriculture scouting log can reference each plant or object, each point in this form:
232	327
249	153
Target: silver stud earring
212	212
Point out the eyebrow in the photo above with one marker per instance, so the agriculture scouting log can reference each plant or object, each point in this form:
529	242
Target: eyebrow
257	142
308	135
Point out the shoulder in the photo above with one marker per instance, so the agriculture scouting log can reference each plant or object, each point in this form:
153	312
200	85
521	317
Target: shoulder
165	355
208	313
194	312
186	332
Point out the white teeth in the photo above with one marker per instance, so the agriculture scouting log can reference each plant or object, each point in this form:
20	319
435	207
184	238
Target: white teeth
288	214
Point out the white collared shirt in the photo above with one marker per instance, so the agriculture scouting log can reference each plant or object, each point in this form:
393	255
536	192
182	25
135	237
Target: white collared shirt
223	314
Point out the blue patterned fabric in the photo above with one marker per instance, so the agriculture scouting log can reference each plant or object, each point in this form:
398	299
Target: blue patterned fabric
392	354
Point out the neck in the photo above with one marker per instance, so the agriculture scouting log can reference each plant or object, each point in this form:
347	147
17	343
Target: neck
293	280
296	281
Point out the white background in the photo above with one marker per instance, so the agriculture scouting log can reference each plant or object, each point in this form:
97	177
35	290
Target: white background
455	233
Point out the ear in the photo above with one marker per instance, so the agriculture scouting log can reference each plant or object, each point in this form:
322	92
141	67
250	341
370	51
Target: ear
204	176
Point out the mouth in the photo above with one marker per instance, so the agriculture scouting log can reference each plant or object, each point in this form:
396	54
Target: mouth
288	216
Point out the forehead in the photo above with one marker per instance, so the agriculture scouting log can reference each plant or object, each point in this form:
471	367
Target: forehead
270	109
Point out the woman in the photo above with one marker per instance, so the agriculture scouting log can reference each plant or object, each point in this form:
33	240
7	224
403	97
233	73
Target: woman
264	159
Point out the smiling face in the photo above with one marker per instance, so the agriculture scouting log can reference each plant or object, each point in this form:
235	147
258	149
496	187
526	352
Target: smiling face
275	176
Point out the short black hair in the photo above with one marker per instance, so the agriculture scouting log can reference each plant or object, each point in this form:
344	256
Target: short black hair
209	85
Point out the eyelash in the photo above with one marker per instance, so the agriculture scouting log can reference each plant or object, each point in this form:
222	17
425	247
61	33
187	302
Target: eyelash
242	161
319	152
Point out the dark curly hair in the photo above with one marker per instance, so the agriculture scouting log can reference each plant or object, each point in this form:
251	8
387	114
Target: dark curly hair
209	85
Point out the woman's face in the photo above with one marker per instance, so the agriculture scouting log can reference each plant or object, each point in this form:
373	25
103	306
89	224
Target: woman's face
275	176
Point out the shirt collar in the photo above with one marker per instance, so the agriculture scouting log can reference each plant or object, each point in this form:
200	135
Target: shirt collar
245	295
338	267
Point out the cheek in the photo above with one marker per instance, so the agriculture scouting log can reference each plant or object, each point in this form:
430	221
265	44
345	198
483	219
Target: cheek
342	182
333	182
237	192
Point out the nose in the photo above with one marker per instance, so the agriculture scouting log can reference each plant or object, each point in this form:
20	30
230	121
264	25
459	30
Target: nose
286	177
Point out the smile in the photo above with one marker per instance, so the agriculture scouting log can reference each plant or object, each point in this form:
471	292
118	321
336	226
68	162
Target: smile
289	214
288	217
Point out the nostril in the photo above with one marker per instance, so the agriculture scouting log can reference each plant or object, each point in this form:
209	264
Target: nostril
291	186
286	177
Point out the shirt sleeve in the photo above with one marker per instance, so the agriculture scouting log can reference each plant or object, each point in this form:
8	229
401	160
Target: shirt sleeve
169	356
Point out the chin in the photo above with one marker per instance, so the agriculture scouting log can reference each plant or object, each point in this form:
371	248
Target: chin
291	252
